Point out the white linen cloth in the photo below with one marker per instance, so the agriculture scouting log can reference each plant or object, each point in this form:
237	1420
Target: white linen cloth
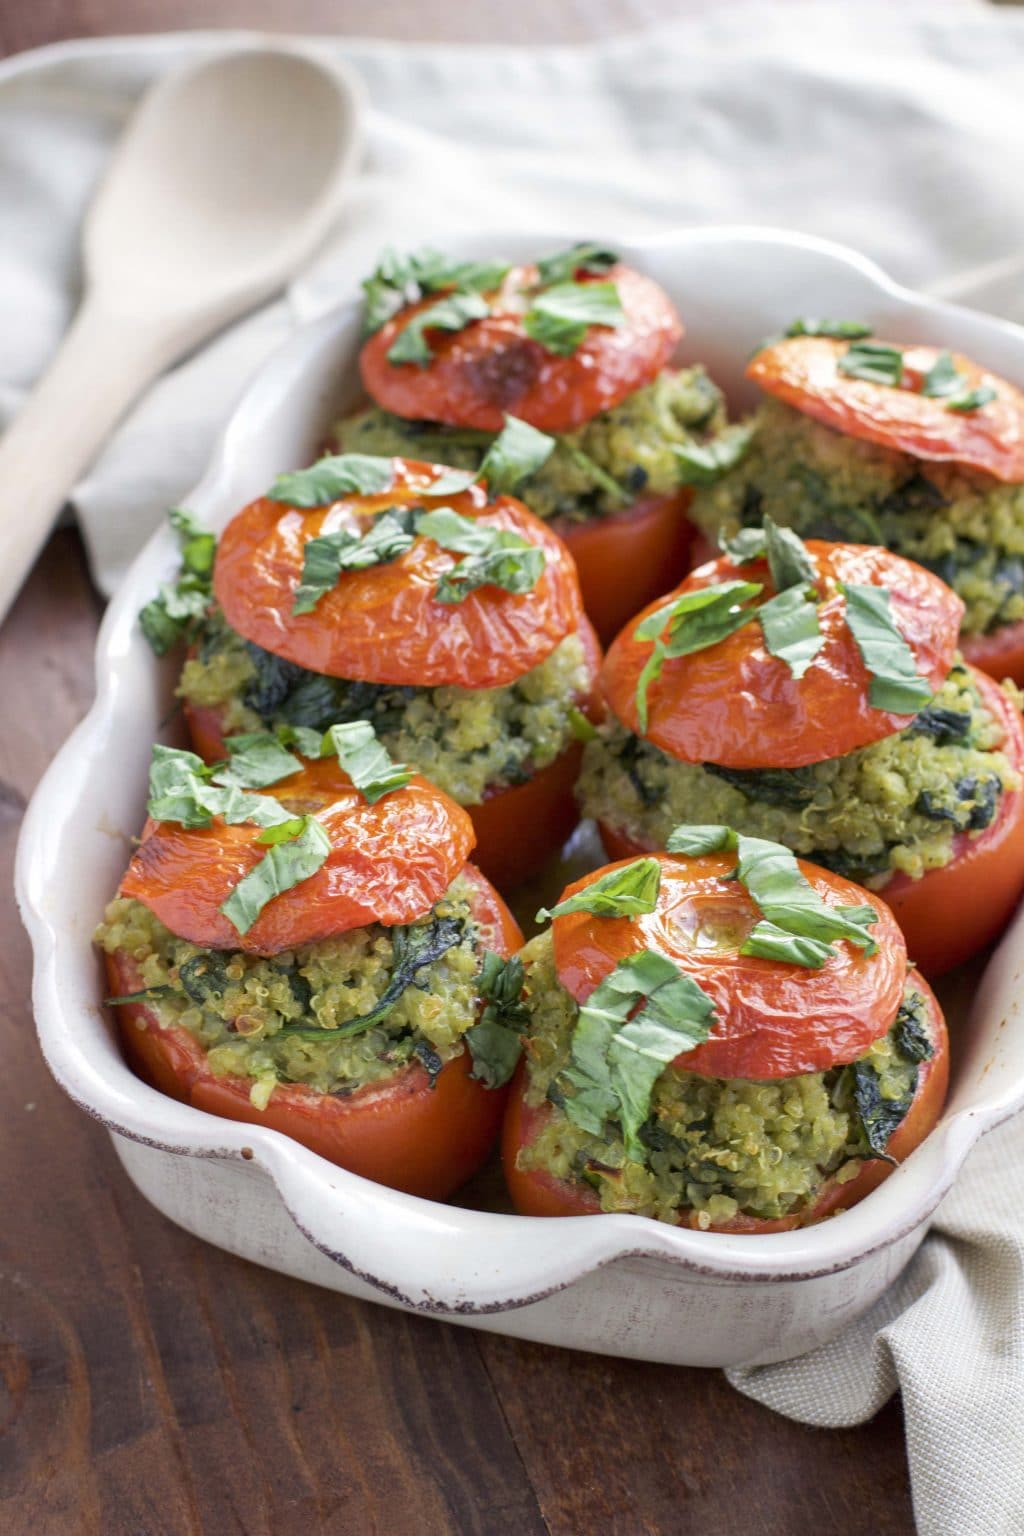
895	128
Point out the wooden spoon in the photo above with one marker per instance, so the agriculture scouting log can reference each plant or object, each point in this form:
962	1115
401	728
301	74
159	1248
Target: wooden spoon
226	179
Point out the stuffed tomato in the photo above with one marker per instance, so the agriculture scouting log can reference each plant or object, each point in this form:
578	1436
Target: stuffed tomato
318	958
813	694
578	345
725	1038
448	618
919	449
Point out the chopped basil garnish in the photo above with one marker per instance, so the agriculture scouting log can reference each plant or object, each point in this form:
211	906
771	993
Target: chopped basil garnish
518	451
942	377
401	280
971	399
301	852
326	557
788	559
896	685
789	622
331	478
560	316
256	760
704	463
184	789
452	313
494	1040
694	621
839	330
625	892
874	362
172	614
644	1014
582	728
584	257
496	556
368	764
790	906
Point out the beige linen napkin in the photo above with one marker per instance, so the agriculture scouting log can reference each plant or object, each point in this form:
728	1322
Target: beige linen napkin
896	129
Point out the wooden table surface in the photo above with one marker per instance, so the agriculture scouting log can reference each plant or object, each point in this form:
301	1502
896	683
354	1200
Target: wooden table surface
150	1384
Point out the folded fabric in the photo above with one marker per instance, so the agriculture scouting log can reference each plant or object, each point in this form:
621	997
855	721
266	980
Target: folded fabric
894	129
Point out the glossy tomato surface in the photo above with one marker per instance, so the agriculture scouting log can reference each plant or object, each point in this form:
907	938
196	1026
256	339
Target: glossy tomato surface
384	624
389	863
492	367
1000	654
403	1133
626	559
536	1192
804	372
772	1019
736	705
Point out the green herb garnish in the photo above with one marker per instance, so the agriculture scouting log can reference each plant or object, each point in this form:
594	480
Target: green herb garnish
298	849
494	1040
517	452
452	313
694	621
942	377
496	556
331	478
401	280
325	558
839	330
560	316
583	257
789	622
172	615
971	399
256	760
625	892
874	362
368	764
896	685
703	464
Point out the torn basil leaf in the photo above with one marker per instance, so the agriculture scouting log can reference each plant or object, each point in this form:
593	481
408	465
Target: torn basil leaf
694	621
560	316
789	561
331	478
256	759
326	557
517	452
942	377
284	865
452	313
171	616
896	685
181	790
874	362
644	1014
494	1040
400	280
971	399
839	330
704	463
789	622
586	256
625	892
767	941
368	764
496	556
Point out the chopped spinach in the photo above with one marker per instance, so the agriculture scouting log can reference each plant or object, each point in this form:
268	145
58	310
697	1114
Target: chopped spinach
494	1041
974	807
429	1059
772	786
879	1117
204	976
946	727
912	1038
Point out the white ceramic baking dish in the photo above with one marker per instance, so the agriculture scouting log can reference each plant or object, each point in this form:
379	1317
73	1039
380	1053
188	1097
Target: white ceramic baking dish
618	1284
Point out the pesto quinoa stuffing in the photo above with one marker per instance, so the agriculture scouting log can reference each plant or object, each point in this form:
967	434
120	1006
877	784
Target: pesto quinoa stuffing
617	457
465	740
714	1146
962	523
895	805
236	1005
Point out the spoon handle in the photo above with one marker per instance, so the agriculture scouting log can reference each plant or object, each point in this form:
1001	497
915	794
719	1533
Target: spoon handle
104	362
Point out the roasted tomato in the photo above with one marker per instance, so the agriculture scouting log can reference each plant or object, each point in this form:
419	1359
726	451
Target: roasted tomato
383	624
492	367
626	559
426	1140
804	372
947	914
388	863
1000	654
535	1192
736	705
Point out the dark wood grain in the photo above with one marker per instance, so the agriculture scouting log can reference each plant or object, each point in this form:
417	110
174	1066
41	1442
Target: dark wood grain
153	1386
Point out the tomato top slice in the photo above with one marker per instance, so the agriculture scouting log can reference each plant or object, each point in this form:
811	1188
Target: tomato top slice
772	1019
803	371
492	367
736	705
389	863
383	624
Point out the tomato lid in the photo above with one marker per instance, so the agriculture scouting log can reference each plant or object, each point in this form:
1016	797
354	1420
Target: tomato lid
772	1018
736	705
804	372
388	863
384	624
492	366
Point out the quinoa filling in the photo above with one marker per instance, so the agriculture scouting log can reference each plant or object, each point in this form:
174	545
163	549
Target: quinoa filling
270	1018
716	1146
961	523
467	741
894	806
604	466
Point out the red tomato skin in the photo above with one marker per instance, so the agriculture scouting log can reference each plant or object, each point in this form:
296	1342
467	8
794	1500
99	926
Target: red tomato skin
1000	654
951	913
492	368
403	1133
389	863
383	624
538	1193
803	371
773	1020
625	560
736	705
